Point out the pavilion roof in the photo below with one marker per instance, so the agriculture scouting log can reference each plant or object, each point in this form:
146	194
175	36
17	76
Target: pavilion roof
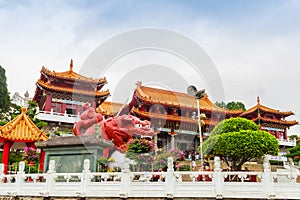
48	86
109	108
22	129
177	99
260	107
71	75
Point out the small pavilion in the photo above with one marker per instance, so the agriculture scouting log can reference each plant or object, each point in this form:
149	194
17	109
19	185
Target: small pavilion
19	133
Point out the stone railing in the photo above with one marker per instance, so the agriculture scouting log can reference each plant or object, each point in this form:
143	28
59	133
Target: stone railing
57	117
170	184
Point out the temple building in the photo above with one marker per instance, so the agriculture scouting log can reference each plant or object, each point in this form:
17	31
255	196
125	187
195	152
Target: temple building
273	121
61	94
172	114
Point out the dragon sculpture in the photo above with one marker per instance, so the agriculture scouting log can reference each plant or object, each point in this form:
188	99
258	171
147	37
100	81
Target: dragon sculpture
118	129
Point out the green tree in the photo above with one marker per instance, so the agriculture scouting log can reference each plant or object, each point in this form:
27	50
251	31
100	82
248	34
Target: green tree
238	140
4	95
294	153
221	104
235	106
32	111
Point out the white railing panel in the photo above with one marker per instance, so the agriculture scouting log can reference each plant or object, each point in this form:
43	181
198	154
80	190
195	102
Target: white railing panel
243	190
287	191
147	189
197	189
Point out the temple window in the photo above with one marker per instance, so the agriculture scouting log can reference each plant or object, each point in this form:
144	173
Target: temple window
71	109
56	107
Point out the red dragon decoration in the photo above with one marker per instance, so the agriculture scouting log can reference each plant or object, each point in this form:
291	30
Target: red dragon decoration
119	129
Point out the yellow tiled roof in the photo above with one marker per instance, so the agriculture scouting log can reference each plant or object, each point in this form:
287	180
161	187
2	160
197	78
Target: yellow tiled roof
171	98
70	75
22	129
283	122
266	109
71	90
149	115
109	108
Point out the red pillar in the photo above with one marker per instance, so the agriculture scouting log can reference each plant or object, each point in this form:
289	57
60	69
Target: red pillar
5	156
48	103
42	160
63	108
285	134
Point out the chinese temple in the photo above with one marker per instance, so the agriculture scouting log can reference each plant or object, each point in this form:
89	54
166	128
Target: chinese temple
61	94
173	115
271	120
19	133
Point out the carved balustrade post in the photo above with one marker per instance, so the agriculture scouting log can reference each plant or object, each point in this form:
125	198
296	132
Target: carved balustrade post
170	178
218	179
125	179
85	179
20	177
267	180
50	178
1	173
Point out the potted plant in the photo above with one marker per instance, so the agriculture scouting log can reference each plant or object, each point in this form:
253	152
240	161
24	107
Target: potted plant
30	155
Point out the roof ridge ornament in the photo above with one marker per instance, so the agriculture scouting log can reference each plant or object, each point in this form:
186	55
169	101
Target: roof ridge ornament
258	100
71	65
23	109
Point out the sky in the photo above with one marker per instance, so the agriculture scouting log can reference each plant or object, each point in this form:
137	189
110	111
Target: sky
254	45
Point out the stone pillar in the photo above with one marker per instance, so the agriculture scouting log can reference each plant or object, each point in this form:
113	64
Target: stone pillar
50	178
170	179
19	179
85	179
125	179
218	178
1	169
268	179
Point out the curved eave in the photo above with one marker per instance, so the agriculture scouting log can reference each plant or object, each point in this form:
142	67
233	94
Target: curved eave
211	110
148	115
72	76
46	86
261	108
282	122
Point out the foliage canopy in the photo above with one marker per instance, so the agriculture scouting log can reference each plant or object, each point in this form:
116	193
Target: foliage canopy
238	140
4	95
294	153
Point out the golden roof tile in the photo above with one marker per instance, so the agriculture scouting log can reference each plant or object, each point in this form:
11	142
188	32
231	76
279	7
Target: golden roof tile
71	90
71	75
149	115
275	121
109	108
22	129
260	107
178	99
